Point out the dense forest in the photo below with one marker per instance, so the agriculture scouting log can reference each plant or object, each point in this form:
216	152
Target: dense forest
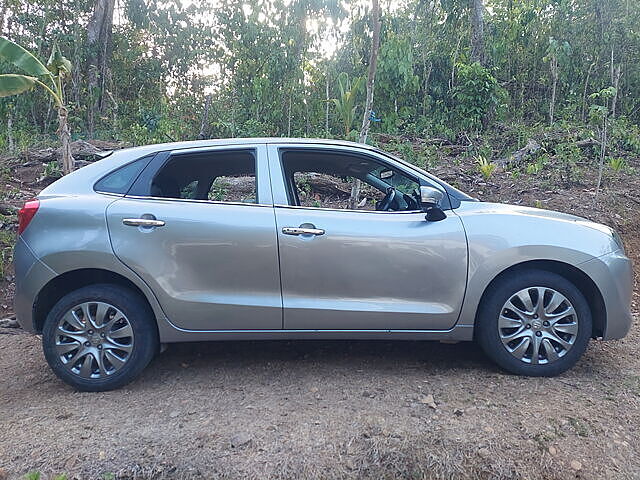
147	71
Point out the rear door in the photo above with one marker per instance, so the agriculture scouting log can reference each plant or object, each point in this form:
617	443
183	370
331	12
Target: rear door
198	227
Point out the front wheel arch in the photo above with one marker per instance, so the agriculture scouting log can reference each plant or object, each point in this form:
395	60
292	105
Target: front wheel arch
581	280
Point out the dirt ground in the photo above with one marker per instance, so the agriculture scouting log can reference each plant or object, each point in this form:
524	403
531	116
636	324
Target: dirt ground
318	409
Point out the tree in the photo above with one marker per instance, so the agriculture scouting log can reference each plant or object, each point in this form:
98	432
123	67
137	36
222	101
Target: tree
98	52
477	32
371	81
50	78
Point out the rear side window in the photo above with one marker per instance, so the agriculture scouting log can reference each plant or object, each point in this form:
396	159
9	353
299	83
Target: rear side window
221	176
121	179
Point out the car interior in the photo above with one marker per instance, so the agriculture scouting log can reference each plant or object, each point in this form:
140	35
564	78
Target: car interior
309	172
224	176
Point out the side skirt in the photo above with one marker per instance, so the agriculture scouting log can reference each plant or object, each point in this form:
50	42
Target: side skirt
169	333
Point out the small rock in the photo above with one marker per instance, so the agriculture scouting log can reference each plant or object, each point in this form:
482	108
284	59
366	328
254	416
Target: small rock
240	439
313	389
174	414
428	400
484	452
553	450
9	323
458	412
3	474
488	429
575	465
368	394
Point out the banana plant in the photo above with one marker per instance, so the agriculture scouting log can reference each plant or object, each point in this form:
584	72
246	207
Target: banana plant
50	78
346	105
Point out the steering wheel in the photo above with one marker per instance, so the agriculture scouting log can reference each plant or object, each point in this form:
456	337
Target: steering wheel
384	204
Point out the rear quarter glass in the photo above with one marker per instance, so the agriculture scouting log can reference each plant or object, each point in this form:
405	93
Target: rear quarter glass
120	180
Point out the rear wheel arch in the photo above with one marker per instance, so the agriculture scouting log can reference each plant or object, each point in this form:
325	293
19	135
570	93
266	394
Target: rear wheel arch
577	277
73	280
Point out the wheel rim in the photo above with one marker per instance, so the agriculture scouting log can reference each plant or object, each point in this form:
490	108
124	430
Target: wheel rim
94	340
538	325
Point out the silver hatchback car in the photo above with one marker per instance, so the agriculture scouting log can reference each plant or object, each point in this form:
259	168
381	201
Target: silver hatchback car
256	239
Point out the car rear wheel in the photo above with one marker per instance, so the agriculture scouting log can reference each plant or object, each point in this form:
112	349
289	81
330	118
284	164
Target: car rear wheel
99	337
534	323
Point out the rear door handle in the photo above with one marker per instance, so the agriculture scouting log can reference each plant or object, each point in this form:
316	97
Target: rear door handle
302	231
143	222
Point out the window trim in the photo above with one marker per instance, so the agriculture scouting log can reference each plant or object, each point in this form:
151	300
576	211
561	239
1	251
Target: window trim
163	157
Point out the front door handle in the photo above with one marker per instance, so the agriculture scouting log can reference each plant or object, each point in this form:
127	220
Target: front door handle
143	222
302	231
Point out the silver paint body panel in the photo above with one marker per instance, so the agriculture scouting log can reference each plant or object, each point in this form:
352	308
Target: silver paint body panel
225	271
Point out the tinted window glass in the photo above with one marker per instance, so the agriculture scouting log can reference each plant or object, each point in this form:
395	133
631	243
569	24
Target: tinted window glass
323	179
224	176
121	179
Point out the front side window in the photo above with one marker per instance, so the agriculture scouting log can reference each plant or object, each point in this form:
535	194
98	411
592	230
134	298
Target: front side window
323	179
228	176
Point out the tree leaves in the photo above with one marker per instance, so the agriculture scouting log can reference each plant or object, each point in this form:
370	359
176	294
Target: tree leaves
57	63
21	58
13	84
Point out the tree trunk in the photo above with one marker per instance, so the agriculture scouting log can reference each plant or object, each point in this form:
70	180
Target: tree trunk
65	140
371	80
98	52
326	106
204	122
10	130
477	32
554	86
584	92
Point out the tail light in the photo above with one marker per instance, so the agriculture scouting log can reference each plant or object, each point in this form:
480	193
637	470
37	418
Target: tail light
26	213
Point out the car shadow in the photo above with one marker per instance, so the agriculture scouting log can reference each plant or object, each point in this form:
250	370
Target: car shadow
296	355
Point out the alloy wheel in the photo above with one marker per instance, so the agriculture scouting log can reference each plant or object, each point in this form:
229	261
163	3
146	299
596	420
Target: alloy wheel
94	340
538	325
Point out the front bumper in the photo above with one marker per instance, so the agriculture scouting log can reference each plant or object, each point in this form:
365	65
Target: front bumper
31	276
613	275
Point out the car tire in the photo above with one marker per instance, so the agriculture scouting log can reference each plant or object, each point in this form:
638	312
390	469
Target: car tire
107	350
511	312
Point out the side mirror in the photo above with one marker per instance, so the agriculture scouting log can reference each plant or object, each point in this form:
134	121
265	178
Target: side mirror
430	199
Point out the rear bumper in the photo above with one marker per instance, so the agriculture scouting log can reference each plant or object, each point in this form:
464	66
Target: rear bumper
31	276
613	274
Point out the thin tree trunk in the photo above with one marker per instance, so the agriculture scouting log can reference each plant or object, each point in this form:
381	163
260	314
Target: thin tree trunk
584	92
616	72
371	80
65	140
98	40
204	123
477	32
10	130
603	150
326	106
554	86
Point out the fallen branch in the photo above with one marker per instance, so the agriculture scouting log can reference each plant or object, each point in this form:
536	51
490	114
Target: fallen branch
519	156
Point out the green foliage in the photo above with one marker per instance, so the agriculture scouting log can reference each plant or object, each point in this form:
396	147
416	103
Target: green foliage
477	95
617	164
32	476
345	105
14	84
536	167
13	53
485	167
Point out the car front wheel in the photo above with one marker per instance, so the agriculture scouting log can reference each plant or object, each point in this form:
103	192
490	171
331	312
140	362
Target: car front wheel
534	323
99	337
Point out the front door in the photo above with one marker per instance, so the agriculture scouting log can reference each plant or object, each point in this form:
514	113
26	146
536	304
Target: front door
377	266
201	234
